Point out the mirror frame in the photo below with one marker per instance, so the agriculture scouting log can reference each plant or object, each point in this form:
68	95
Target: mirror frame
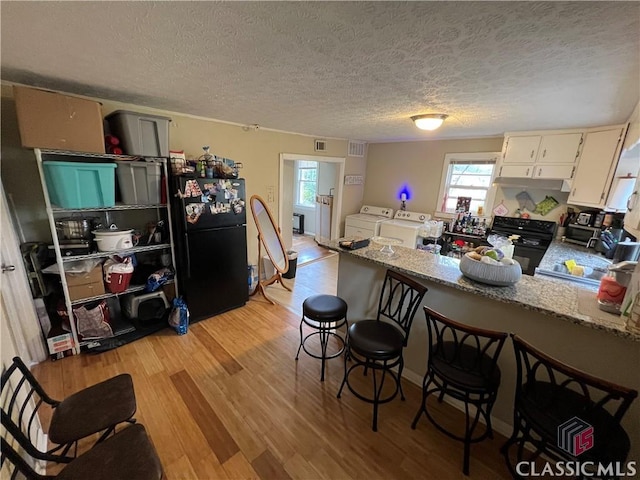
262	233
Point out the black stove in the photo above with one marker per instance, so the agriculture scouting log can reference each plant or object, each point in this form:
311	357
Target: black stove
535	236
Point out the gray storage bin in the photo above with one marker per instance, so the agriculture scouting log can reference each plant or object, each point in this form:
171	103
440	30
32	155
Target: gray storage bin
140	134
139	182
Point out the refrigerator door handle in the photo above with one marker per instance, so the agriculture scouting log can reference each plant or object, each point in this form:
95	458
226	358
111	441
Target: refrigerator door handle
186	247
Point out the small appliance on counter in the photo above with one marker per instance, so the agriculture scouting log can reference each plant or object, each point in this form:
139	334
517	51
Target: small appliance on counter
626	251
613	286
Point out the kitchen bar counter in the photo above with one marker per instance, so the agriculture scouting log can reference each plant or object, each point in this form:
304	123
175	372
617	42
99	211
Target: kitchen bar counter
545	312
555	297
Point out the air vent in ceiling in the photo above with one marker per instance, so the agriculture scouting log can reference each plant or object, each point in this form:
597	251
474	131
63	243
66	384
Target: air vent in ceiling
356	149
320	145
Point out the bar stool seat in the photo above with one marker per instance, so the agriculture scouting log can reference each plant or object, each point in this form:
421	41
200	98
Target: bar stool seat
380	341
324	314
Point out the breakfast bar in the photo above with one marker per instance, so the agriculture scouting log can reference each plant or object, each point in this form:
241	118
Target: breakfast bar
558	317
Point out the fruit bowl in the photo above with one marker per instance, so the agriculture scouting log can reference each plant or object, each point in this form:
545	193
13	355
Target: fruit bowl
498	275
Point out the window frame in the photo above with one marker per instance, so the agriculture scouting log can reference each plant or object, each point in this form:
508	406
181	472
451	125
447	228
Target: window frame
298	182
484	157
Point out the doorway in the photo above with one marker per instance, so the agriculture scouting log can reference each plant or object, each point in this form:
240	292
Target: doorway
330	176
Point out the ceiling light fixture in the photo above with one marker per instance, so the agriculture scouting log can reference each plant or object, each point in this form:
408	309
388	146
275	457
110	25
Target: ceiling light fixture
429	121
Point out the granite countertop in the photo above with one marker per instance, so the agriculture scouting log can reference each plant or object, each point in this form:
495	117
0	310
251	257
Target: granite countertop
559	252
555	297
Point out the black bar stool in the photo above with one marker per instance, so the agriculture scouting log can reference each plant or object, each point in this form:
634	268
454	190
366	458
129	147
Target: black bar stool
563	412
462	364
378	344
324	314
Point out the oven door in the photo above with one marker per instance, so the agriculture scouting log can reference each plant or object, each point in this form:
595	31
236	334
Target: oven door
529	249
528	257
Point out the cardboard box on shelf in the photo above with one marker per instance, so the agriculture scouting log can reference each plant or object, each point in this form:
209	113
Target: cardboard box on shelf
85	285
78	292
57	121
94	276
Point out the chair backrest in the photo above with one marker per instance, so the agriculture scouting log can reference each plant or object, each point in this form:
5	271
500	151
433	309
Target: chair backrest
399	300
465	346
12	464
534	366
23	401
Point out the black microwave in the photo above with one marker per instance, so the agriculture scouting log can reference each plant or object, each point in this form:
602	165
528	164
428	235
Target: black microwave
582	235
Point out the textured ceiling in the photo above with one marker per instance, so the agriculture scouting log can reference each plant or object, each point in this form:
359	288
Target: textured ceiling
354	70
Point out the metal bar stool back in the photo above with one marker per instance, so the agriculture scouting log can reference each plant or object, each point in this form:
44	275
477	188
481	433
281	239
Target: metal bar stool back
462	364
377	345
324	314
564	413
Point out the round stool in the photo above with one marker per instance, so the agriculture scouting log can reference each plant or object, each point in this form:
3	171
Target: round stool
324	314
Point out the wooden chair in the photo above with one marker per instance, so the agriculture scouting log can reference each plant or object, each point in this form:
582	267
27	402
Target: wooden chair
96	409
462	364
377	345
564	413
129	454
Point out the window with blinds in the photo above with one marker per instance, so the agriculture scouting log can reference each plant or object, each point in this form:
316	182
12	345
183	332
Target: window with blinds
467	175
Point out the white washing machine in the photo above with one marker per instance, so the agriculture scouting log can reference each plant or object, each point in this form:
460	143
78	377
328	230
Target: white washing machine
405	226
366	224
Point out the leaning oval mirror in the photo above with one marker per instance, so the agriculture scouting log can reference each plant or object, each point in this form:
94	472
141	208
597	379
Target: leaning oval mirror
269	234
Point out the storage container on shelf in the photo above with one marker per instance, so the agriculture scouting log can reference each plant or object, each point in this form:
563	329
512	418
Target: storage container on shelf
80	185
141	134
139	182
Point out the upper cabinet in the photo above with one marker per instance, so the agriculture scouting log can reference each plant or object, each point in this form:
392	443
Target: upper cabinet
551	148
520	149
560	148
585	158
597	164
540	155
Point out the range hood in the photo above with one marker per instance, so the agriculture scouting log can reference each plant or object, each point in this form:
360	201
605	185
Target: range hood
533	183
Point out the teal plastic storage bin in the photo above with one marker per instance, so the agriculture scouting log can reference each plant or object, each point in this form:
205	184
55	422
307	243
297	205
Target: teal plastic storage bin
80	185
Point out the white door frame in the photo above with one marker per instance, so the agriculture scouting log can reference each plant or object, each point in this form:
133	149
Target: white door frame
335	220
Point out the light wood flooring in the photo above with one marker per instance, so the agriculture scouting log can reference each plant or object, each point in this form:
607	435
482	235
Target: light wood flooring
228	400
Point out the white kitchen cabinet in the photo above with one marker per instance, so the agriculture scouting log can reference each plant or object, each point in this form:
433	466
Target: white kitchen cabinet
560	171
521	149
559	148
595	169
516	171
126	213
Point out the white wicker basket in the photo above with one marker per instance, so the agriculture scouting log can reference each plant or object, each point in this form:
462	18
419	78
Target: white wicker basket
499	275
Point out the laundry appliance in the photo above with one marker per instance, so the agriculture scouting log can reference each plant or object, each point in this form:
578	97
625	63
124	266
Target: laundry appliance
405	226
366	224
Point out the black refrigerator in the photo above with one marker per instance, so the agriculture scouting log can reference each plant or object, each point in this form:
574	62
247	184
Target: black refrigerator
209	220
